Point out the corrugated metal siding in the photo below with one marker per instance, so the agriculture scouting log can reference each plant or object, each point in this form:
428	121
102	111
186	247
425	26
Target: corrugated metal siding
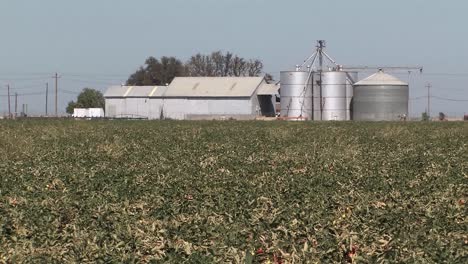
380	103
181	108
115	107
137	107
185	108
156	108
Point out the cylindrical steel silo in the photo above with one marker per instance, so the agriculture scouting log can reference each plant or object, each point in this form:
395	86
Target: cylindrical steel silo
352	77
380	97
296	95
334	95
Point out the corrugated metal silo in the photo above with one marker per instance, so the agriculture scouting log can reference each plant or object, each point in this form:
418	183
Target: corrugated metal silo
352	77
296	95
334	95
380	97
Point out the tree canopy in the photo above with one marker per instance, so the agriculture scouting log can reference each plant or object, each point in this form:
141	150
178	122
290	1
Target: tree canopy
217	64
88	98
157	72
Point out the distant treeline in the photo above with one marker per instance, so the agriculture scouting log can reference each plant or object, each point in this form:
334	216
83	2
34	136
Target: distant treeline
217	64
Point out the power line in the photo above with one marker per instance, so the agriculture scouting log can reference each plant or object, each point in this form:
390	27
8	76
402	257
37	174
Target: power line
26	87
419	97
446	74
24	79
25	74
68	91
439	98
23	94
97	77
95	74
450	99
90	82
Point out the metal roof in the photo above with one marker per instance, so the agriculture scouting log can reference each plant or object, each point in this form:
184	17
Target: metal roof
381	78
268	89
116	91
135	91
158	91
139	91
213	86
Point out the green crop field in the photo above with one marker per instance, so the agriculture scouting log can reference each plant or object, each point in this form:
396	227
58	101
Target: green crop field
233	192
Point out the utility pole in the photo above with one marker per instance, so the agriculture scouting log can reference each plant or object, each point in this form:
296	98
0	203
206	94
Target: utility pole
9	106
428	86
16	104
46	97
56	77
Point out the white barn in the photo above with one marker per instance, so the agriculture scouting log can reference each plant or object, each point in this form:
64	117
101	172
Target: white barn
194	98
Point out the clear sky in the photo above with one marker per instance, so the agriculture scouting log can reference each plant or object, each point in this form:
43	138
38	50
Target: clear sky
96	43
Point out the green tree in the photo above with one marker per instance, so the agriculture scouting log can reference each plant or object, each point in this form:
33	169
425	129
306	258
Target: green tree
162	71
442	116
71	105
157	72
220	64
425	116
88	98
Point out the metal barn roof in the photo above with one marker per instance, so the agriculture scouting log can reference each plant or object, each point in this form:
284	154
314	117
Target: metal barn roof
134	91
213	86
268	89
381	78
139	91
158	91
116	91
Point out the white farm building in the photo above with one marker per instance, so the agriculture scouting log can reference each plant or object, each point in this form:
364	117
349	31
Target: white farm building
194	98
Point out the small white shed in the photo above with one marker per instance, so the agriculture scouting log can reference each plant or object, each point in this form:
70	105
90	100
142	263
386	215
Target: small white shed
88	113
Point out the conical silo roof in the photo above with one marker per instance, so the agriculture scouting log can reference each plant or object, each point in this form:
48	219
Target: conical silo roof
381	78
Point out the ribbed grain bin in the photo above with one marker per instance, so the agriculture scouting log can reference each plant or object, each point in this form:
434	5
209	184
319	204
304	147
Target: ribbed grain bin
380	97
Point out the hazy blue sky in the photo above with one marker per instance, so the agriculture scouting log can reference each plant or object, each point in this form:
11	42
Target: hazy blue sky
99	42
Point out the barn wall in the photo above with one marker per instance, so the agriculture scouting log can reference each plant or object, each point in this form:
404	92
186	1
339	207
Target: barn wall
137	107
184	108
156	108
199	108
115	107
